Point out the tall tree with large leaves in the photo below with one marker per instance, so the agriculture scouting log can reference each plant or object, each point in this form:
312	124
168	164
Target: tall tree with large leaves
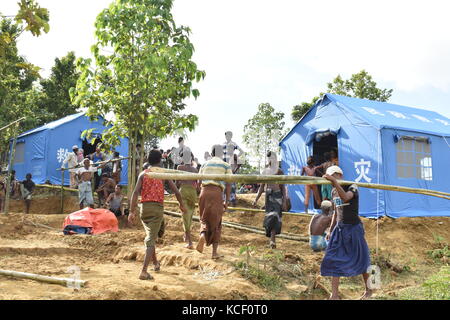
17	94
143	72
55	98
263	132
360	85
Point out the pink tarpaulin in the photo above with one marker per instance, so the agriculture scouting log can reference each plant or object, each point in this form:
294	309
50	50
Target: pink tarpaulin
100	220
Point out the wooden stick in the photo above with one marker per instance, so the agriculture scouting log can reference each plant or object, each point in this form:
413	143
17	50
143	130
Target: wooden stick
245	228
281	179
80	165
47	279
62	191
250	210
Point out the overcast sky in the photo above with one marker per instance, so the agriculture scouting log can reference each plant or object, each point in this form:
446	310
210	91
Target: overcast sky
282	52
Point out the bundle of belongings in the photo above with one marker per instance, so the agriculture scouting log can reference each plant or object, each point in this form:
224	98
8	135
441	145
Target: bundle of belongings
90	221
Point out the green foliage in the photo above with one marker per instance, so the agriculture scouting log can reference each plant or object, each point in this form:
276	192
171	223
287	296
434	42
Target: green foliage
143	71
436	287
360	85
441	252
263	132
35	17
55	90
262	278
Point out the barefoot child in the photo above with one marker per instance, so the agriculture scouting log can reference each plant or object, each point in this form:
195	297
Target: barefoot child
310	170
347	254
152	209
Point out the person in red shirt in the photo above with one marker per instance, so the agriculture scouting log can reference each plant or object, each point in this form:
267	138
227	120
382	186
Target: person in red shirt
152	209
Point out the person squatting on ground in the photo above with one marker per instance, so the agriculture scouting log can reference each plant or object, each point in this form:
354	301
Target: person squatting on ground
276	200
152	209
114	202
85	188
211	203
188	190
310	171
27	187
347	254
106	187
72	161
319	225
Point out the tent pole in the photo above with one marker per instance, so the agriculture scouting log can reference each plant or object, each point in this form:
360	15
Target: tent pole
62	191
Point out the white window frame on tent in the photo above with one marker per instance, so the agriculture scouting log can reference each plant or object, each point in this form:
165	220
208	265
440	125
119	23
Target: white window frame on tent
414	158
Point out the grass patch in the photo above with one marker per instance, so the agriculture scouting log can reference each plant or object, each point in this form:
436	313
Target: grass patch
436	287
441	250
262	278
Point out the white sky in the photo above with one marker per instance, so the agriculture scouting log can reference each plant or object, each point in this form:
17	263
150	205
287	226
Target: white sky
282	52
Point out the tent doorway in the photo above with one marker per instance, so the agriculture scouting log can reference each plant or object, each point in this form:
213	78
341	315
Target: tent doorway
327	142
324	142
89	148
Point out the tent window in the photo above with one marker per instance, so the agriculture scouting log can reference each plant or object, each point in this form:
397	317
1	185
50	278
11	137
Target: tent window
19	154
414	159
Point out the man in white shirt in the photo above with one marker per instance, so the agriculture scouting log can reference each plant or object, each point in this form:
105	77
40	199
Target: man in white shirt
72	161
84	188
177	155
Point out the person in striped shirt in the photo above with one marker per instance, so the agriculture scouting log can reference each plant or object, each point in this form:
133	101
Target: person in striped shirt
211	204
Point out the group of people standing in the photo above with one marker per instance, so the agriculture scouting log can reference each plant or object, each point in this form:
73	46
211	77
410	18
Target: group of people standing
105	176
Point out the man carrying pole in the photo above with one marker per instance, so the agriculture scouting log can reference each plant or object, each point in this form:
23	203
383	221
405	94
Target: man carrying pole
211	204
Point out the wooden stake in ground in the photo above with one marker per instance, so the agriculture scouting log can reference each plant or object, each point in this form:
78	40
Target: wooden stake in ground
63	281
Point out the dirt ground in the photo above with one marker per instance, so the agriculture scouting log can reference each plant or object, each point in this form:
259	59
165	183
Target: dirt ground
111	262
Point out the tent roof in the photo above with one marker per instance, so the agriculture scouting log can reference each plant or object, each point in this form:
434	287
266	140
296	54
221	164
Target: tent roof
53	124
387	115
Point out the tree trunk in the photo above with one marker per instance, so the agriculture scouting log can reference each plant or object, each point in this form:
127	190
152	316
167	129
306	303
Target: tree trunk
130	165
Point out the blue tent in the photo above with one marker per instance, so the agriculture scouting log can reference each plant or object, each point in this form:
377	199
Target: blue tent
42	150
377	142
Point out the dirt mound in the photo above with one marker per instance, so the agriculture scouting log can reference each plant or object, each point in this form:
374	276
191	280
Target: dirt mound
46	205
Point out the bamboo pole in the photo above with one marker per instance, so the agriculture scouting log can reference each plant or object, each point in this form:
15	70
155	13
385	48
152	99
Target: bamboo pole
47	279
80	165
241	227
282	179
62	191
55	187
8	125
250	209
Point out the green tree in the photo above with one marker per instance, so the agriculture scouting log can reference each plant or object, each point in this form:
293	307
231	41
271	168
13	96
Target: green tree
143	71
18	95
55	98
360	85
263	132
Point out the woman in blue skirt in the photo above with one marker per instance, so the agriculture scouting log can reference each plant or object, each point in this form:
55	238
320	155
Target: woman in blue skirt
347	254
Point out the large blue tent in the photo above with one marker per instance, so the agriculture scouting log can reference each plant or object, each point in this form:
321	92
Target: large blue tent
377	142
41	151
